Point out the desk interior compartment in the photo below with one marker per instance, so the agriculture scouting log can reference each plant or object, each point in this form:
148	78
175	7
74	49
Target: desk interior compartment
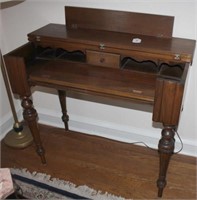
146	66
59	53
172	70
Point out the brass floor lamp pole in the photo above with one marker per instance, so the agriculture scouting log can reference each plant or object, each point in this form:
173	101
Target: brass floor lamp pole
19	136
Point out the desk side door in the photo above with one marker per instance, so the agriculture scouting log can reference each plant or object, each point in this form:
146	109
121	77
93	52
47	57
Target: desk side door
15	62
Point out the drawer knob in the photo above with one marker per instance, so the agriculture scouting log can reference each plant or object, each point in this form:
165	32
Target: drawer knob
102	60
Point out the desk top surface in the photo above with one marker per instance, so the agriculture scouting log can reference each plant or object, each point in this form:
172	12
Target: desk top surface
78	76
149	44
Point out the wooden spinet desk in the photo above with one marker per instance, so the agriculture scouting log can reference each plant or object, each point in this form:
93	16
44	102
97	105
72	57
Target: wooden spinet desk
115	54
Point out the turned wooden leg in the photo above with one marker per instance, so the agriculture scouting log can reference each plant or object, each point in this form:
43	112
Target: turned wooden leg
30	115
166	148
62	99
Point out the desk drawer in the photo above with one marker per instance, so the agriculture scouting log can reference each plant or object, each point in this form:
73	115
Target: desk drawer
103	59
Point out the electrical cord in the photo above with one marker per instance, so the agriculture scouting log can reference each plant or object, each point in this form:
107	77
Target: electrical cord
181	148
180	142
140	142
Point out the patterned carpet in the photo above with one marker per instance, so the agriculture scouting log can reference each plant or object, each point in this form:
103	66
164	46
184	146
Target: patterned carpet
41	186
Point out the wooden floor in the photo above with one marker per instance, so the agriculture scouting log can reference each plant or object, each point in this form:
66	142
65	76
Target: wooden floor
118	168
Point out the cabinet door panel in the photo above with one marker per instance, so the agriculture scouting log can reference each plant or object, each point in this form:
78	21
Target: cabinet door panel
16	68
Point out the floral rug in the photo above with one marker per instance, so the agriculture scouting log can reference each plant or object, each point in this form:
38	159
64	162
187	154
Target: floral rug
41	186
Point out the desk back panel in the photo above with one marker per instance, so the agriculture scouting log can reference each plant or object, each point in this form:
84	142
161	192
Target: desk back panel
119	21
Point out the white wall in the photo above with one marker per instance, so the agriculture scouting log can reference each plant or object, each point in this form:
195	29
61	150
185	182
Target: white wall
110	121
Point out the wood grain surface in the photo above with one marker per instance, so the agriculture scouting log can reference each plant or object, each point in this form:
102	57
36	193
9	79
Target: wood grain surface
122	169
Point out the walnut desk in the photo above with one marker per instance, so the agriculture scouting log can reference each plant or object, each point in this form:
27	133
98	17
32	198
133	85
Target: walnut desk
115	54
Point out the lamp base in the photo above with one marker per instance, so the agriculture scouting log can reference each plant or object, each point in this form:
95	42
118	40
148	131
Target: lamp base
20	137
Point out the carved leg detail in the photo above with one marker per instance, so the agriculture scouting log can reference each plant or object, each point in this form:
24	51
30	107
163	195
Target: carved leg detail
166	148
62	99
30	115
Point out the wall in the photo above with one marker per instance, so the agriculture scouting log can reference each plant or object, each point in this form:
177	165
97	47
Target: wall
112	121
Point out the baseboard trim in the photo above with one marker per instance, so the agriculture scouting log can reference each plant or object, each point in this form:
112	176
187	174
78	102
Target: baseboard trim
112	131
127	134
7	123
